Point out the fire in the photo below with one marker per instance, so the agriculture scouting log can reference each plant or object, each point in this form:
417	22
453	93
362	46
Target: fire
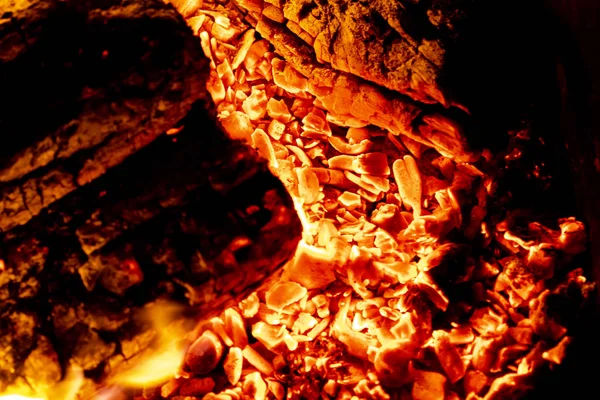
156	368
162	361
376	262
66	389
19	397
378	273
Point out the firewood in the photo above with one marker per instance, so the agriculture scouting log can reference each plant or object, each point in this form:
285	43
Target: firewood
194	215
84	85
101	212
399	45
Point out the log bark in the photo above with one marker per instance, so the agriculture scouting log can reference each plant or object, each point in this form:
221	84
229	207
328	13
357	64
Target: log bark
101	212
84	85
194	217
400	45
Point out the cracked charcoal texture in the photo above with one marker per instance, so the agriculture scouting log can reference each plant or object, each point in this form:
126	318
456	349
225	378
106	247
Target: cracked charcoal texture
100	212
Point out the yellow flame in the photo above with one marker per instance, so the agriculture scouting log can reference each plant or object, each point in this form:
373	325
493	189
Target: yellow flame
309	229
19	397
156	368
68	388
64	390
161	362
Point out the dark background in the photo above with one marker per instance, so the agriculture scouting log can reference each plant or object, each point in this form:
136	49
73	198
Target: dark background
539	61
576	34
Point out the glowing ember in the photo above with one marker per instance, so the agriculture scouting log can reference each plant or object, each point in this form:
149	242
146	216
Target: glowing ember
375	264
380	301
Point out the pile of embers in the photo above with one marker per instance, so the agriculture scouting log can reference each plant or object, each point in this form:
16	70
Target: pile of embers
406	284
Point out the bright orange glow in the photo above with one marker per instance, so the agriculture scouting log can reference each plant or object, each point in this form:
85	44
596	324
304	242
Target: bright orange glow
65	390
163	361
308	228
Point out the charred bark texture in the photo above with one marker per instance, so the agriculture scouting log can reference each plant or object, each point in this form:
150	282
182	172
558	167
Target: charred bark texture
194	217
84	85
100	212
400	45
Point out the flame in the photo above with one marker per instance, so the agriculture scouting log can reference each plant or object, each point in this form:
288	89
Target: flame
155	368
64	390
309	229
162	362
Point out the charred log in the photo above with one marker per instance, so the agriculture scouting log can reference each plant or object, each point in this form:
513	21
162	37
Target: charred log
101	212
85	85
193	217
400	45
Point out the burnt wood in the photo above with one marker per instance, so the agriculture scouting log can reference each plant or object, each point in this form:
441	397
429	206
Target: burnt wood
401	45
193	217
84	85
101	212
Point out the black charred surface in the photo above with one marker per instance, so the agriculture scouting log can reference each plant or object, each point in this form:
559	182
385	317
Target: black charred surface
165	223
84	85
100	211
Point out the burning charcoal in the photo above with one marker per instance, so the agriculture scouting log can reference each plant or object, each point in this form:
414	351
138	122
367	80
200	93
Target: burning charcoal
357	343
355	228
572	236
274	338
542	260
517	280
343	147
238	126
283	295
233	365
257	361
235	328
276	388
392	362
408	180
312	267
449	357
360	270
485	352
542	323
196	386
557	353
250	305
428	385
205	353
255	386
475	382
509	386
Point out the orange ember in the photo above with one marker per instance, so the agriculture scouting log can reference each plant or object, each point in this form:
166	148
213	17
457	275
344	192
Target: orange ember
351	316
403	286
